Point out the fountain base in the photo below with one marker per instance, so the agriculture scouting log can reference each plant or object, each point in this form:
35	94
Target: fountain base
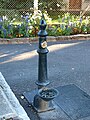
42	100
41	105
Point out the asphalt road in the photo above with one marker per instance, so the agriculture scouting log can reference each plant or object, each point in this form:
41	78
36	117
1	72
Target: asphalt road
68	63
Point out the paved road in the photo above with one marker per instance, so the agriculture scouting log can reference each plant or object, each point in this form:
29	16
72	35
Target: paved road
68	62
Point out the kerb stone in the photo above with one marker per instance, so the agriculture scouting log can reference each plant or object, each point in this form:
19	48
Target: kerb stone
6	109
9	105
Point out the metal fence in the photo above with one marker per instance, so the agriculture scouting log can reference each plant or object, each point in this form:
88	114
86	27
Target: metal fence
53	7
15	7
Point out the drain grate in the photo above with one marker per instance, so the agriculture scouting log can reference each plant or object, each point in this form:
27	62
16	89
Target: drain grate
74	102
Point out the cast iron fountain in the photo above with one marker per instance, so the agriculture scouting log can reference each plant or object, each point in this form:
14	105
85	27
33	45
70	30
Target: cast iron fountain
42	98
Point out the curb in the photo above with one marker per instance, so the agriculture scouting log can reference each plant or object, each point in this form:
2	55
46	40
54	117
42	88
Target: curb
12	100
49	38
6	109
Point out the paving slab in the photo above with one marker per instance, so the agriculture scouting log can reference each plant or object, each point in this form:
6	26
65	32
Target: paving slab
9	105
74	102
56	114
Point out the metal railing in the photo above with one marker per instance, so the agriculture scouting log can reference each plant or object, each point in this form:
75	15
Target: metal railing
53	7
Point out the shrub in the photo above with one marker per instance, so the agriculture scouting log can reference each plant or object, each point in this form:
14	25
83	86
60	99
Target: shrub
29	25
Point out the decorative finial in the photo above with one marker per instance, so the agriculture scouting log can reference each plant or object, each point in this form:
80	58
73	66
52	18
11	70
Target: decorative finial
43	25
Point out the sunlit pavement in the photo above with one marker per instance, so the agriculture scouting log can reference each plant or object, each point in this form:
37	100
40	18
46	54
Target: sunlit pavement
68	63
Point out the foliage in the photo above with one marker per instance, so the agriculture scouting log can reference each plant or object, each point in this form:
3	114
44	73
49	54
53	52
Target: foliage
70	25
52	4
29	25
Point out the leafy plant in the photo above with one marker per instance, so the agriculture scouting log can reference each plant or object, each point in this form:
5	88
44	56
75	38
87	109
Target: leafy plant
66	24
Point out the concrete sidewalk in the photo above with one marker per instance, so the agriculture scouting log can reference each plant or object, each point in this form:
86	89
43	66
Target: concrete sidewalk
9	105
